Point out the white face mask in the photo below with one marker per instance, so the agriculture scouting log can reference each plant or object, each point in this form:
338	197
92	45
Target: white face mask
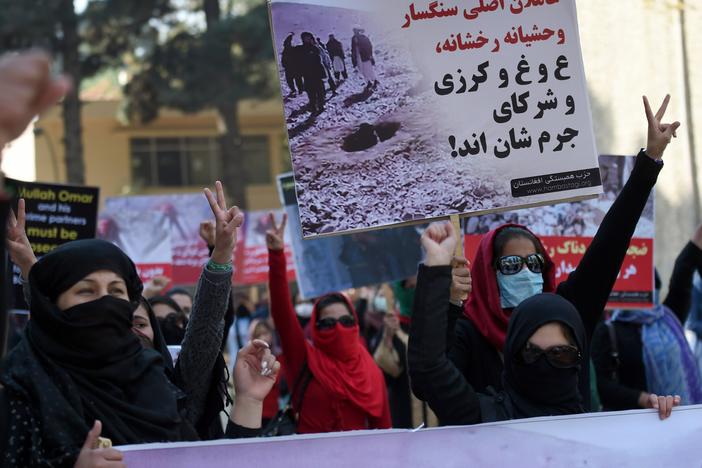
380	304
304	310
515	288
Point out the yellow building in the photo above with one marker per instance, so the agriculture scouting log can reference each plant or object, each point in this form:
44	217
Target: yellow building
175	153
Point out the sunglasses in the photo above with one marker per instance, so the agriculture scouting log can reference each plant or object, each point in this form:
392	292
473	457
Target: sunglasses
561	357
328	323
513	264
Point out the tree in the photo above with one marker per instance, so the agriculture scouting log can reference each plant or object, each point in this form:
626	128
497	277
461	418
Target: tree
83	43
213	65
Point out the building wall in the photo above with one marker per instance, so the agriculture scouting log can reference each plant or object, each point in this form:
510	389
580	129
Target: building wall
107	151
632	48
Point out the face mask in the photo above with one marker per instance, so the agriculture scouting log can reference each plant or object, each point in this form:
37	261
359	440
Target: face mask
515	288
339	342
102	329
540	382
304	310
380	304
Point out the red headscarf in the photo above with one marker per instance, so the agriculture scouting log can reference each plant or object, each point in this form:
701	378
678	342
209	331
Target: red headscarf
483	306
341	363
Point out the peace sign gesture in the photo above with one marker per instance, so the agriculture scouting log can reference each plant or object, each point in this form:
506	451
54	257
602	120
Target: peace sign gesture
227	220
659	134
18	245
276	234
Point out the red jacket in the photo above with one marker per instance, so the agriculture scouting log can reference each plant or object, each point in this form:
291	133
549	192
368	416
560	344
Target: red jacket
319	411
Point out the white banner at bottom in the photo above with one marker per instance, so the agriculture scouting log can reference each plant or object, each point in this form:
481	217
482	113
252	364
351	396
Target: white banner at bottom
622	439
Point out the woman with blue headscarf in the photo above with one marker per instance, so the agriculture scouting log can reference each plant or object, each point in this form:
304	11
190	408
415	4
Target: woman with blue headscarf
639	352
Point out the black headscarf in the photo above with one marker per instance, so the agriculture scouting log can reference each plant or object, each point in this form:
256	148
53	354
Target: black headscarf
540	389
172	331
84	363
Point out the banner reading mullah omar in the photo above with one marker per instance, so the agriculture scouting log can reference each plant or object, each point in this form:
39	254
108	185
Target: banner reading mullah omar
402	111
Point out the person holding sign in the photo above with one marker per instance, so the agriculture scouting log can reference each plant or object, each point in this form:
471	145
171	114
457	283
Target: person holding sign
512	265
336	385
545	348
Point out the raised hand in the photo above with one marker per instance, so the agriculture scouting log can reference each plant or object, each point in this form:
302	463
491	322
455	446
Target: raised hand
207	232
26	90
659	133
227	220
155	286
255	371
664	404
461	281
275	236
92	457
439	241
18	245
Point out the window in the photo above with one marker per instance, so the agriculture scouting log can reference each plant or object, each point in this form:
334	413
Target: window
188	161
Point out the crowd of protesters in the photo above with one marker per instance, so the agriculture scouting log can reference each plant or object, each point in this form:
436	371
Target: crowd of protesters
458	344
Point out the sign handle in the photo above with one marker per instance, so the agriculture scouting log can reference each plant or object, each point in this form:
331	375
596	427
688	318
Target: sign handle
456	221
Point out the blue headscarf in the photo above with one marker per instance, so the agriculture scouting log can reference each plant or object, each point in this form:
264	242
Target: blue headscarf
694	318
671	368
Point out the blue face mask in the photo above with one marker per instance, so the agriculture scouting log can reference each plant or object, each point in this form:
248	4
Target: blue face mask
515	288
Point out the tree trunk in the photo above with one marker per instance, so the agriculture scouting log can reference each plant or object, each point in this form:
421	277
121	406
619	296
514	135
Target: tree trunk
231	148
73	132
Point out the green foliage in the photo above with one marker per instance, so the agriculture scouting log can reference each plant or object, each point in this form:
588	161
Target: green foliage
229	60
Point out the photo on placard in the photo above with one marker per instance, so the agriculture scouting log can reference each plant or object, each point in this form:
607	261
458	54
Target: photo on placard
397	115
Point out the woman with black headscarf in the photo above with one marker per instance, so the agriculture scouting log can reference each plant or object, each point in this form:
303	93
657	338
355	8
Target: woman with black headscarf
544	348
80	362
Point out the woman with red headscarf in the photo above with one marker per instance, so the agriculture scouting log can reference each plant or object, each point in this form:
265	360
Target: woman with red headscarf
512	265
335	383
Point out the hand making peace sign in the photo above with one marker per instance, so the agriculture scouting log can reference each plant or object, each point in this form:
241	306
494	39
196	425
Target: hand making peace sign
227	220
659	134
275	236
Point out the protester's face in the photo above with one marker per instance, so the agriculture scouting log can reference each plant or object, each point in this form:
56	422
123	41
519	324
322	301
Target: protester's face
549	335
91	288
163	310
518	246
184	301
336	310
141	326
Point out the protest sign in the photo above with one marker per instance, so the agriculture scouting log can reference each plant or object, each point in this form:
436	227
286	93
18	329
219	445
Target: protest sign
567	229
56	214
403	111
331	264
251	251
160	233
621	439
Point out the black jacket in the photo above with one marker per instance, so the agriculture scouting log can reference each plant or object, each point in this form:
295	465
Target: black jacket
624	393
443	378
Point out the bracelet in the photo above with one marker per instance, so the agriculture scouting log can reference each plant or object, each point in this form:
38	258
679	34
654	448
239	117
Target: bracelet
457	303
214	266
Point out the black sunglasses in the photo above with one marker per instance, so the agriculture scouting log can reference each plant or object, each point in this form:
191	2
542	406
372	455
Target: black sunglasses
513	264
330	322
562	357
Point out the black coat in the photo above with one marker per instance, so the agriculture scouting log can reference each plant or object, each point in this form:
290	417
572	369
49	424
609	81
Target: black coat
361	44
441	371
623	393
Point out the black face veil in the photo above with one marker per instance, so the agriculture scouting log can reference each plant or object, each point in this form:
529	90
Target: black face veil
539	389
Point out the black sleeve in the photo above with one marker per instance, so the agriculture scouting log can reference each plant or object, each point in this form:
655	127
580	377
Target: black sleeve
454	314
589	286
680	288
614	395
433	376
235	431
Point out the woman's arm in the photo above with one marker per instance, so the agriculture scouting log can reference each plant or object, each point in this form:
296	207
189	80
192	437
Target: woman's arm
292	337
203	337
589	286
434	377
680	288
